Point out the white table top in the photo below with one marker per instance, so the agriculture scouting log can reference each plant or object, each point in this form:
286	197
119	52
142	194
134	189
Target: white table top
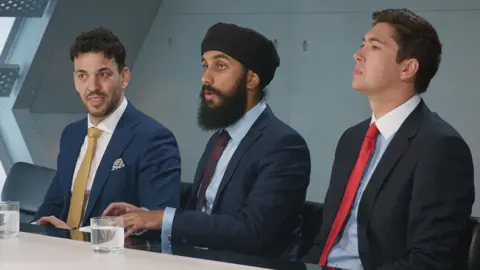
31	251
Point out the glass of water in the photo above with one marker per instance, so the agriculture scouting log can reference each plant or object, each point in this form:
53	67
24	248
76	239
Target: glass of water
107	234
9	219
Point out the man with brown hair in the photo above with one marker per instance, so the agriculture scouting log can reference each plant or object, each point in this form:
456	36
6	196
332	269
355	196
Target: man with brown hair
402	187
116	152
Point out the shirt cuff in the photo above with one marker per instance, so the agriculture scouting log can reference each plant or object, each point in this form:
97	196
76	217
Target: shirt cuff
86	229
167	222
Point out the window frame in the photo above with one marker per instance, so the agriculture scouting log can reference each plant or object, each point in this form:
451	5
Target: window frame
10	42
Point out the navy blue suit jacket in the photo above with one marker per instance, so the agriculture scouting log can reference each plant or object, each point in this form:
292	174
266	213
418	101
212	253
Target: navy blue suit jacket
150	178
258	204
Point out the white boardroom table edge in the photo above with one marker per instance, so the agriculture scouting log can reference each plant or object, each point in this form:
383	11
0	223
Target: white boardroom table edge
39	252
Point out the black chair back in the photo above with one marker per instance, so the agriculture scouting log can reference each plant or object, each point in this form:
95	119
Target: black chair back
186	191
27	183
474	245
312	214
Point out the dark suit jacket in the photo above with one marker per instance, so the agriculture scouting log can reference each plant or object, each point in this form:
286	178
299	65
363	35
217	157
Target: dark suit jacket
418	202
257	207
150	178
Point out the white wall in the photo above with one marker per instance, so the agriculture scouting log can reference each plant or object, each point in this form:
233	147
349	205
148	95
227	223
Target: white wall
42	132
311	90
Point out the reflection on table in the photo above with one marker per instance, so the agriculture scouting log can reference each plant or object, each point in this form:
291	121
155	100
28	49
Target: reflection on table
150	242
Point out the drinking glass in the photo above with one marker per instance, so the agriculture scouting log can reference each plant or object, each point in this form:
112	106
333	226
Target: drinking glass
107	234
9	219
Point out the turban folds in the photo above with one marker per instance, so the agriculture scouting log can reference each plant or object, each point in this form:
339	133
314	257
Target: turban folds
245	45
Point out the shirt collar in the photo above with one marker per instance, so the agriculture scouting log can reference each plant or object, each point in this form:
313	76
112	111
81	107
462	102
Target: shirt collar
389	124
238	130
109	124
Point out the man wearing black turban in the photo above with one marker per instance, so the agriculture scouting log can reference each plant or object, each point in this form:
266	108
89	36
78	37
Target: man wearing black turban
252	179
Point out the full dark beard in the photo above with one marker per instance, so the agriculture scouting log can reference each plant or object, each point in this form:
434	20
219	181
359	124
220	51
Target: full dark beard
230	110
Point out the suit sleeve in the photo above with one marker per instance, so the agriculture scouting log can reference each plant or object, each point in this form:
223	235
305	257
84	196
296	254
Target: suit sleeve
54	198
278	193
159	172
441	205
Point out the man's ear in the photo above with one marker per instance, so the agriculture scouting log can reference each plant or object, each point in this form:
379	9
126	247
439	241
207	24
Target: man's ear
125	74
409	69
253	80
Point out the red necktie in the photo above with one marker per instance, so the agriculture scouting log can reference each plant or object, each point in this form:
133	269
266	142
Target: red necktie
219	145
366	151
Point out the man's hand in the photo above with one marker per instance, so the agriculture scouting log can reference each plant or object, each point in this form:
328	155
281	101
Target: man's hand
120	208
142	220
57	223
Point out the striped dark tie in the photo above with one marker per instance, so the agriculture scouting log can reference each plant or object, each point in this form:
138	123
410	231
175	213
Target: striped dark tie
219	145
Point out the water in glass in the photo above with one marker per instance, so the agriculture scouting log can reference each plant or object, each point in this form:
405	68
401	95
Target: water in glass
9	220
107	234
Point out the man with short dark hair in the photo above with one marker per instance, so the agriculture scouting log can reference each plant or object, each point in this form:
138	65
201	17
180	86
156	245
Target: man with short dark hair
252	179
116	153
402	186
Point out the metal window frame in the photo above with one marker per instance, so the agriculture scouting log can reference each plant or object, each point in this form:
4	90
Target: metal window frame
5	156
10	42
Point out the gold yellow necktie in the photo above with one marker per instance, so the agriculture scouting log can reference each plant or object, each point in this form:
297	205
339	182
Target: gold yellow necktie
77	202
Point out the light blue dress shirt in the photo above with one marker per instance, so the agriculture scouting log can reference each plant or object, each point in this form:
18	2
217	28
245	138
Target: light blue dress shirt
237	132
344	253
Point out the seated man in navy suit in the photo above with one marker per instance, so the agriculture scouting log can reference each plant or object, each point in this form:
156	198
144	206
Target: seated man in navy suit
252	179
116	153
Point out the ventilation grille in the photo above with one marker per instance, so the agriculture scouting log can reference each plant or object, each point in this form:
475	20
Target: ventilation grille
22	8
8	76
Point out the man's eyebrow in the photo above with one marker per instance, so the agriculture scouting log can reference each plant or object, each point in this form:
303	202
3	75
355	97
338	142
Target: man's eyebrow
374	39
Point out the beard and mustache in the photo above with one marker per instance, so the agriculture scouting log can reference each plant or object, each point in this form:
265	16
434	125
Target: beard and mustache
229	110
112	102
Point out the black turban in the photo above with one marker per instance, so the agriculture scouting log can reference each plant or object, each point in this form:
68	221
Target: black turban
247	46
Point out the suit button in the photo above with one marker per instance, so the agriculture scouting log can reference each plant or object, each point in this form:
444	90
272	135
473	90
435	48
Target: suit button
184	241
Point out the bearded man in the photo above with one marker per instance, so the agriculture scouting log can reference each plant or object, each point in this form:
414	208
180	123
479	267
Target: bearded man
251	181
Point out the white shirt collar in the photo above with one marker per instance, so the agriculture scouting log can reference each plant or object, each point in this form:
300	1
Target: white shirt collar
389	124
109	124
238	130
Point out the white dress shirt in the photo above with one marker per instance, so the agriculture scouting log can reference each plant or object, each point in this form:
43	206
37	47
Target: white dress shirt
344	253
107	126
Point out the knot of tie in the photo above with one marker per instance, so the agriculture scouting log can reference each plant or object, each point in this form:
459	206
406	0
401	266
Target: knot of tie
372	131
94	133
223	138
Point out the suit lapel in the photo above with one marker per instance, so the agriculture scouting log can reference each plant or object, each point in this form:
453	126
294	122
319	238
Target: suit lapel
397	147
121	138
199	173
252	135
74	142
